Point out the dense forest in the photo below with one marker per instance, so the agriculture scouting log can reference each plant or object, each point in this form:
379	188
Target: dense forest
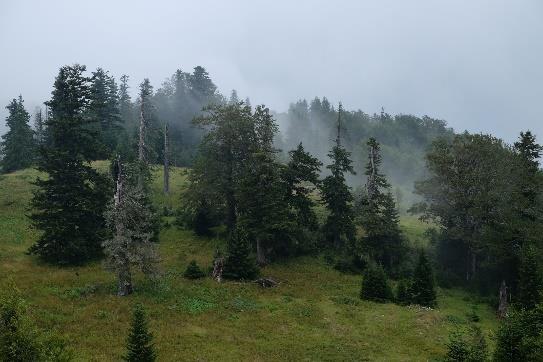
317	180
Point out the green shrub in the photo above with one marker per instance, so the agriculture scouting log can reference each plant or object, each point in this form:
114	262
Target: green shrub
374	285
193	271
467	346
20	340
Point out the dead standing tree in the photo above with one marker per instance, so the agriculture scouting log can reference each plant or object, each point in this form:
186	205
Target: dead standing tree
117	248
166	160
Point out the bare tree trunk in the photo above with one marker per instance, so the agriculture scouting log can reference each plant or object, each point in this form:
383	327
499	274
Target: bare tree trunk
260	253
123	272
141	143
503	306
125	279
166	161
218	266
370	186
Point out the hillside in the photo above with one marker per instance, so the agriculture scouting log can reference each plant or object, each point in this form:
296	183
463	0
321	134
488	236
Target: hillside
314	314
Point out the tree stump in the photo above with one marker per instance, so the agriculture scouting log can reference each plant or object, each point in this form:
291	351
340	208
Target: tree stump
266	282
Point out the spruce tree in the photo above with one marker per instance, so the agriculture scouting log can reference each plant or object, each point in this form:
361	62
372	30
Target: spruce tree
301	178
375	286
336	195
17	146
104	109
139	345
529	286
68	206
239	265
379	216
423	287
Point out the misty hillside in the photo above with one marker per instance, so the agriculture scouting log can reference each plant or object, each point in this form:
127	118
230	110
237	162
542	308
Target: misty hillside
271	181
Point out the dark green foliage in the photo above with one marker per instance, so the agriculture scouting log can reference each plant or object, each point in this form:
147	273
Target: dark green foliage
423	290
529	286
520	336
481	207
403	292
239	265
467	346
69	204
193	271
20	340
139	345
202	221
336	195
264	213
375	286
18	146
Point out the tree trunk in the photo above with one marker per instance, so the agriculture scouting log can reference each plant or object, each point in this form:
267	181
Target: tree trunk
260	253
125	279
166	161
503	306
218	266
141	143
123	272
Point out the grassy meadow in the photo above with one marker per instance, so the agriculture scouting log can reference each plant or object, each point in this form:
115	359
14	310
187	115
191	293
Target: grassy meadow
313	315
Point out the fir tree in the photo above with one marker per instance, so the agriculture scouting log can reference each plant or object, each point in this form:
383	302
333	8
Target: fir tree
239	265
139	345
17	146
529	286
423	287
68	206
336	195
374	285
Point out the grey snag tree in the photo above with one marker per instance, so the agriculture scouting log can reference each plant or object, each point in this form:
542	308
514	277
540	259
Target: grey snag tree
166	160
131	221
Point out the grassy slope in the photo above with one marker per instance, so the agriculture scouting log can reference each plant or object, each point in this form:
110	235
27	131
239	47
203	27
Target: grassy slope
314	314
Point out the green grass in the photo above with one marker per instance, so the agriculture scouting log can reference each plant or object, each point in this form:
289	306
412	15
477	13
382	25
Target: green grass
314	314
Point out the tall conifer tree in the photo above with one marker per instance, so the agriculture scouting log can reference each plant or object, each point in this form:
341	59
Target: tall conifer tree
69	204
17	146
337	196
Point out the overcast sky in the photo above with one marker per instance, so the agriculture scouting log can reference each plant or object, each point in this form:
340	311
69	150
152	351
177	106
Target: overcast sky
476	64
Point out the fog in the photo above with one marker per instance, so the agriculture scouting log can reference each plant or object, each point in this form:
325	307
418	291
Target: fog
476	64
